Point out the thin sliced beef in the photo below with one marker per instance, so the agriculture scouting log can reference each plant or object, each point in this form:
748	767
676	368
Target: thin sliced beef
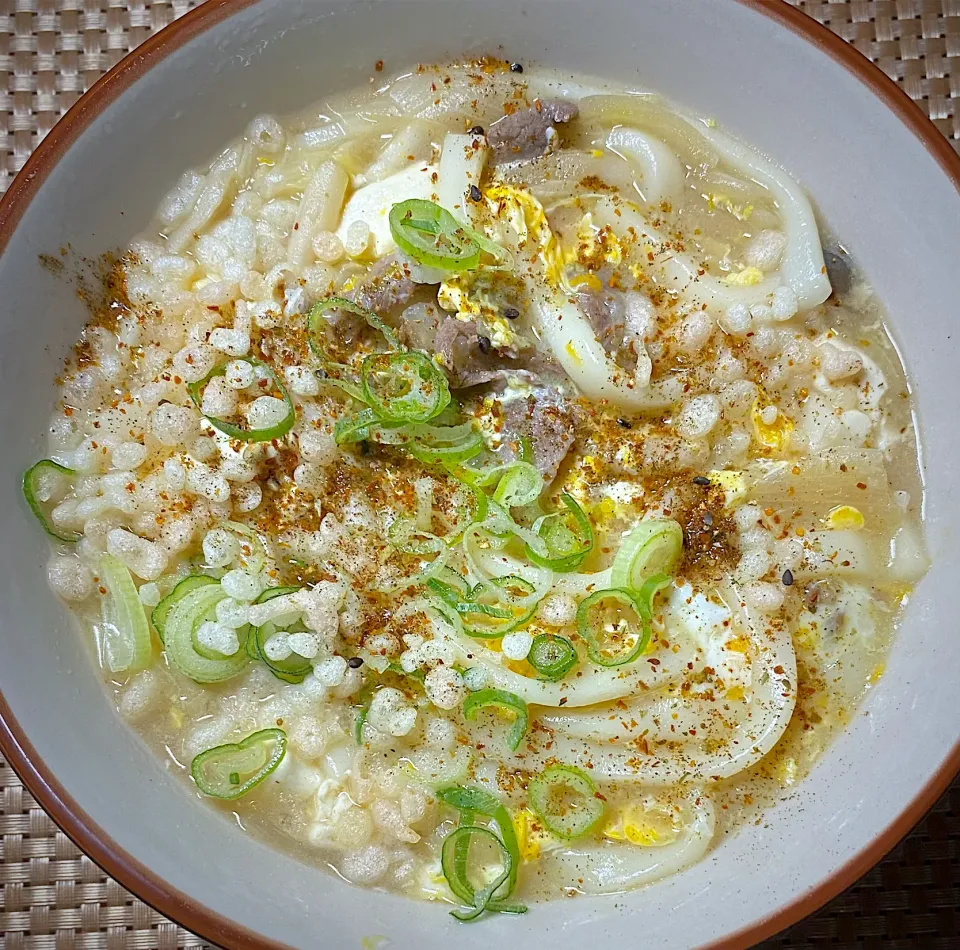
468	362
621	322
386	287
604	313
529	133
547	419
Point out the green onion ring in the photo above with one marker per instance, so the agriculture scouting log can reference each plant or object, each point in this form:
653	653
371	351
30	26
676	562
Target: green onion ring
239	432
520	484
30	479
469	800
566	548
158	617
552	656
325	306
432	236
586	622
571	822
509	702
404	387
217	771
454	857
652	547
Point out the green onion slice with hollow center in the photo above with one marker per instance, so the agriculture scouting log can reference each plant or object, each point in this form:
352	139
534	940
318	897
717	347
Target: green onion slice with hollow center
652	547
565	799
567	535
315	324
39	482
230	771
432	236
455	862
158	616
292	669
241	432
614	625
471	801
180	638
404	387
125	632
404	535
552	656
491	609
508	702
520	484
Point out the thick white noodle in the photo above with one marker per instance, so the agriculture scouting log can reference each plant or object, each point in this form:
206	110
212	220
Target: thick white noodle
319	210
461	165
573	342
662	174
596	738
802	267
612	867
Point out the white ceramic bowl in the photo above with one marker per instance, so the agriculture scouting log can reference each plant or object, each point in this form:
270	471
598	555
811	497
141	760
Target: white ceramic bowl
882	177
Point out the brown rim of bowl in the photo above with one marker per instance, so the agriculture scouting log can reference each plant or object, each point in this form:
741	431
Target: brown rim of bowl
50	793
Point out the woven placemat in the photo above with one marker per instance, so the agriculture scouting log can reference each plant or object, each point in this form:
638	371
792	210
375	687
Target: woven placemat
52	897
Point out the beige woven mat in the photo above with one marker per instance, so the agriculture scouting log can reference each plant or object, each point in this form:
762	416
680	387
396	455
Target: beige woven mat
52	897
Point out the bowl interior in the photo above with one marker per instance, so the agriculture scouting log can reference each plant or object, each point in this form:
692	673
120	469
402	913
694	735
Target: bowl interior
874	182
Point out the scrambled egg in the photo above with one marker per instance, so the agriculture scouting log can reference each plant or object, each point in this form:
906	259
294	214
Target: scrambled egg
641	824
845	518
775	435
733	483
748	277
516	221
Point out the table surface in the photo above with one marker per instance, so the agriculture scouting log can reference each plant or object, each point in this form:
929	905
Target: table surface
52	897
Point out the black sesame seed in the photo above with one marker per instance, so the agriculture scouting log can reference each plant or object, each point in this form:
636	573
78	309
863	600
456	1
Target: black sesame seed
516	68
708	519
702	480
477	130
355	662
511	313
475	194
484	343
624	423
787	578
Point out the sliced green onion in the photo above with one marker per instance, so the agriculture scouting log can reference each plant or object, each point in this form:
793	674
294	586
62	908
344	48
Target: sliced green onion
160	613
497	606
230	771
322	307
565	799
508	702
652	547
404	535
239	432
294	668
552	656
454	861
438	447
180	630
256	560
404	387
520	484
567	535
432	236
606	613
31	486
355	428
525	449
126	633
469	801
